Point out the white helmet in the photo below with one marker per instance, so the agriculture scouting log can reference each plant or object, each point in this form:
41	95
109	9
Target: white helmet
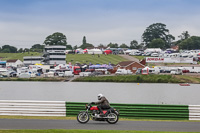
100	96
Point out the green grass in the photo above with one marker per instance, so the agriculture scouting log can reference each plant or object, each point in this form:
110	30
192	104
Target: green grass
139	57
141	79
82	131
74	58
50	79
74	118
86	58
7	56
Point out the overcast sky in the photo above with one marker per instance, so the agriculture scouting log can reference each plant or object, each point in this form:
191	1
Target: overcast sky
24	23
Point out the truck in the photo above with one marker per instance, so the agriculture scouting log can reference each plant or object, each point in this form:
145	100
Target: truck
76	70
123	72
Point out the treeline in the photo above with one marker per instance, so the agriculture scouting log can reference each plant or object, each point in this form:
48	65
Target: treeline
155	36
12	49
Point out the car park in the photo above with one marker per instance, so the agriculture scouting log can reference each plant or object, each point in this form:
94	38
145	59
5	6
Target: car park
154	54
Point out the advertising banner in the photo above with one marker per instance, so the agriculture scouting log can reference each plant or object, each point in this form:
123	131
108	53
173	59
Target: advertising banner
168	60
155	59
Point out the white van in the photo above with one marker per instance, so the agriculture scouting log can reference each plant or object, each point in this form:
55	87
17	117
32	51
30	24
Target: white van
176	71
123	72
68	74
50	74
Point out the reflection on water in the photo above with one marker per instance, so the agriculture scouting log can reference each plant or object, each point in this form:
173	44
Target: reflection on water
143	93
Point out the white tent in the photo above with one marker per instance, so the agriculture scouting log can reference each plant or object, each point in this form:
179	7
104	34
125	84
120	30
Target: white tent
153	50
94	51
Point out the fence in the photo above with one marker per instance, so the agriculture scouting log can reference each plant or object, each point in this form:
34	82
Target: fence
140	111
32	108
136	111
194	112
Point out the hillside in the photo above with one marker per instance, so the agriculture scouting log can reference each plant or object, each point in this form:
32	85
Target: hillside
74	58
7	56
102	59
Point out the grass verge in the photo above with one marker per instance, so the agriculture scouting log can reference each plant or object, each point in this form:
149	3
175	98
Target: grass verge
141	79
57	79
74	118
82	131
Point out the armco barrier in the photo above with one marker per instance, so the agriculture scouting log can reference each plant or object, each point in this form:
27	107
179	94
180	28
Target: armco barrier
139	111
194	112
32	108
62	108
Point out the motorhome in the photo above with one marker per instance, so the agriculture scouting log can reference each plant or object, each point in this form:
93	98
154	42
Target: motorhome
176	71
123	72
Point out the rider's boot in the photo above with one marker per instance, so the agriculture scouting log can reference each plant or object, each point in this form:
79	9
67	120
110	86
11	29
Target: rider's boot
101	113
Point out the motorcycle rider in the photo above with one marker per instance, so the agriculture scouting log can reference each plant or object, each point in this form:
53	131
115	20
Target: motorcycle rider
102	104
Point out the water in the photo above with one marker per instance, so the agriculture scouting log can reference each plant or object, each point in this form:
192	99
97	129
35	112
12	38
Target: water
143	93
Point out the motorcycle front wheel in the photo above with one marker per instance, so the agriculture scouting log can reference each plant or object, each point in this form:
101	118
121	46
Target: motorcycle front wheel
83	117
112	118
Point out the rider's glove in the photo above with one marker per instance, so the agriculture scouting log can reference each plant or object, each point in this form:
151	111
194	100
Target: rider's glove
92	102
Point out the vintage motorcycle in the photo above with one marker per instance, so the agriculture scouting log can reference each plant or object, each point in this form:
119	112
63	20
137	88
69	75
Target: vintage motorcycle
111	115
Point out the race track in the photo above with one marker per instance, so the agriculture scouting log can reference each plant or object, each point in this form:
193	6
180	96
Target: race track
93	125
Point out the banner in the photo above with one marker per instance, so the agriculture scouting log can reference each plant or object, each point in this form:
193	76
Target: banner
155	59
168	60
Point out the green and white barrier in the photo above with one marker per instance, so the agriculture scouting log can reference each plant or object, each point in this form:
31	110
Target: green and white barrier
139	111
32	108
194	112
135	111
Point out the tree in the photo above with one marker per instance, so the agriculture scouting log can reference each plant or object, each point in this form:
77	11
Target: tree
84	40
184	35
113	45
8	49
190	43
75	47
101	45
134	44
26	50
85	44
37	48
68	47
56	39
123	46
155	31
20	50
157	43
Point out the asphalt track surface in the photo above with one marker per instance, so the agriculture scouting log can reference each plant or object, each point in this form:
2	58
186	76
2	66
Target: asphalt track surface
94	125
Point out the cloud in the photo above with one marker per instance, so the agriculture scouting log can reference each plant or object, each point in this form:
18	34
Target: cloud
101	22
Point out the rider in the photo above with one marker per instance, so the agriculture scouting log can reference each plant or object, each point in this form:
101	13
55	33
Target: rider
102	103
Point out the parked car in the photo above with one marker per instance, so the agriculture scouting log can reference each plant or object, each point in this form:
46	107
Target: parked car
13	74
185	70
61	74
138	53
96	73
176	71
147	54
154	54
139	71
123	72
68	74
85	74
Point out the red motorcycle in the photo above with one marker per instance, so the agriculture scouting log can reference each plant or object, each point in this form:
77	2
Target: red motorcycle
111	115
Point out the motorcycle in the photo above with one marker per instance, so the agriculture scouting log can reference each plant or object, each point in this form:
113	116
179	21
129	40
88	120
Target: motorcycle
111	115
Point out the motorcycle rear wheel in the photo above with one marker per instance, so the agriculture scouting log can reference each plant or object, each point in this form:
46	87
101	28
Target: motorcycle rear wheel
114	119
83	117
